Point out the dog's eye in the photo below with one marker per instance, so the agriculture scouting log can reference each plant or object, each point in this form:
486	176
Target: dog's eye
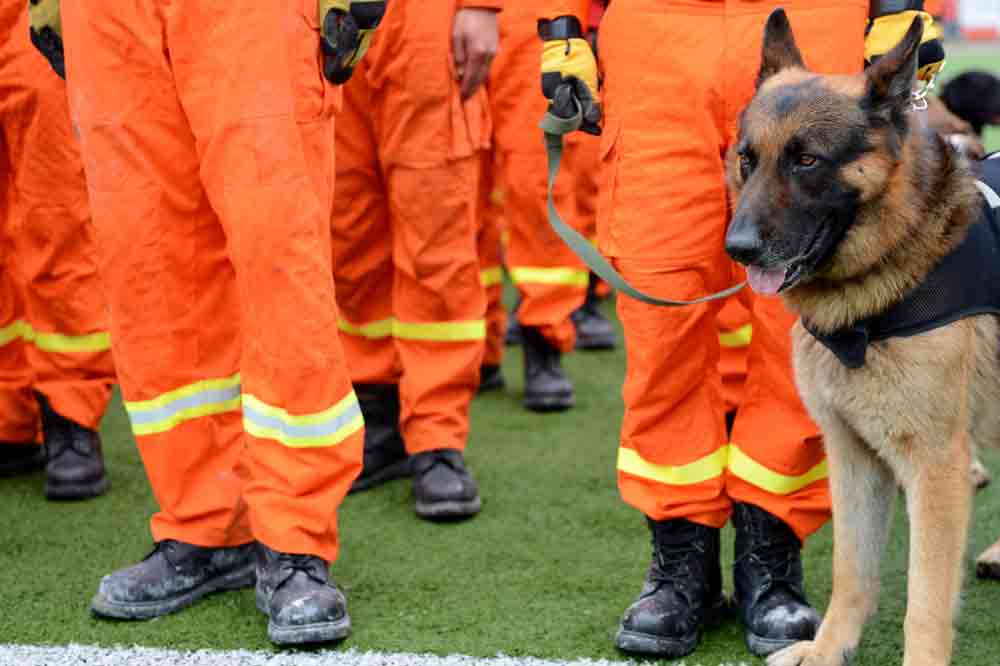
746	165
806	160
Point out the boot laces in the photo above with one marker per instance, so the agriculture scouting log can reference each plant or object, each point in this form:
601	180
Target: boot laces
775	553
289	563
675	562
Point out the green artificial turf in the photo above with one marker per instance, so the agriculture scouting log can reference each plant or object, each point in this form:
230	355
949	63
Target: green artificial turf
545	570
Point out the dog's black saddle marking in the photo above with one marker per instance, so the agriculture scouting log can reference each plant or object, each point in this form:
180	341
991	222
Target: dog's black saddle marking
965	283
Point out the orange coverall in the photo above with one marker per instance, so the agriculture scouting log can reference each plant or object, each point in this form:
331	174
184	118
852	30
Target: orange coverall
207	138
551	279
53	329
677	74
409	160
490	248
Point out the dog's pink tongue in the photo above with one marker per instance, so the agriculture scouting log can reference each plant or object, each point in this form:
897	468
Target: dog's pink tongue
765	281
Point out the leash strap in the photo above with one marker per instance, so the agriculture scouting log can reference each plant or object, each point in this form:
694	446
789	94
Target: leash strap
554	128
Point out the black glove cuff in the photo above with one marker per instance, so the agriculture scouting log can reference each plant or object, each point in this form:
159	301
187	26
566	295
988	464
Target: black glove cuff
878	8
564	27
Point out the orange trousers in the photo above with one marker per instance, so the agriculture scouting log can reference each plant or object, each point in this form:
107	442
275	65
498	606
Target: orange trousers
490	247
53	328
206	131
405	224
677	74
551	280
735	329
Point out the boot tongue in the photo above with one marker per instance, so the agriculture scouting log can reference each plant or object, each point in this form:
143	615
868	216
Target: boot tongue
765	281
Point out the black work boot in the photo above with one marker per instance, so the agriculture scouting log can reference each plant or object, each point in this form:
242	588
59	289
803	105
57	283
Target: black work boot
593	330
490	378
75	467
301	602
681	595
443	487
385	453
767	574
172	577
546	386
20	458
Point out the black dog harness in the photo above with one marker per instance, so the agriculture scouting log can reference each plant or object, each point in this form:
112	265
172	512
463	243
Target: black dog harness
965	283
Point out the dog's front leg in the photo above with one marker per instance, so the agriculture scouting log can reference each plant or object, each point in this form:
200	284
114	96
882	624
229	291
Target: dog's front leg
863	491
939	500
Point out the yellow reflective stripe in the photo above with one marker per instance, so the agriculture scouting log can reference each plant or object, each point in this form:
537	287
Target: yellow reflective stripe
738	338
703	469
491	277
55	342
441	331
12	331
437	331
203	398
376	329
533	275
751	471
327	428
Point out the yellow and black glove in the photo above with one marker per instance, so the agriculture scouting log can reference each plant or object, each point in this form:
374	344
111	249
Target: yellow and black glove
887	29
346	31
569	72
46	32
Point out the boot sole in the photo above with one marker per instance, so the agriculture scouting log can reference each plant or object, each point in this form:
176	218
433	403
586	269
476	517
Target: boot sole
637	642
550	402
397	470
449	510
597	343
316	632
75	491
147	610
763	646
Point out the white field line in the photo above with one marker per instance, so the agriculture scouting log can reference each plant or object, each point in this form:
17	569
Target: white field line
33	655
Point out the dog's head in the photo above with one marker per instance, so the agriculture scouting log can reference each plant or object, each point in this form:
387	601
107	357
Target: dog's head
975	98
811	150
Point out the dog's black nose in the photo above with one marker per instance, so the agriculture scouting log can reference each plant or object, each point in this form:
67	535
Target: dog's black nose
743	241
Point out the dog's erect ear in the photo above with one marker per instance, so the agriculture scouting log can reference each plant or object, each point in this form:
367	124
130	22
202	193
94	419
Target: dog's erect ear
780	51
891	77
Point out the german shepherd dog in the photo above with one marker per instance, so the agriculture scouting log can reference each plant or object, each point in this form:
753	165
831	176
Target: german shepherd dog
844	206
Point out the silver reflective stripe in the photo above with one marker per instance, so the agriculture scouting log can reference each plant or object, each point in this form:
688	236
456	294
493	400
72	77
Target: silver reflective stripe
992	198
188	402
306	430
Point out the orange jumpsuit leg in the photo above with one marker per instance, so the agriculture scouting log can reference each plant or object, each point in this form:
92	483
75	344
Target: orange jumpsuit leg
671	108
425	162
210	172
490	250
65	310
735	331
552	281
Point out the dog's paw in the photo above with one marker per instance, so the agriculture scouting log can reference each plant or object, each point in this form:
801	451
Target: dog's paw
805	653
988	564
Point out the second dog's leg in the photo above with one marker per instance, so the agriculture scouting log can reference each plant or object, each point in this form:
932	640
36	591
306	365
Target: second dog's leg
864	491
939	499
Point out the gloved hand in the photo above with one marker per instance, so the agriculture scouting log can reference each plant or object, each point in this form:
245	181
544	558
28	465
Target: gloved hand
569	72
346	31
885	31
46	32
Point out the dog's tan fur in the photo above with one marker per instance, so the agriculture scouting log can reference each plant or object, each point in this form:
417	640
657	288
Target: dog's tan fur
909	416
